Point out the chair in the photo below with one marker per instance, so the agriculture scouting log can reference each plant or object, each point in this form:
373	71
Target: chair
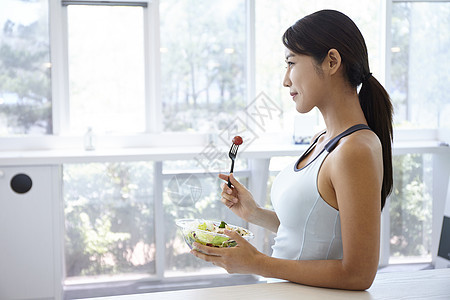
443	256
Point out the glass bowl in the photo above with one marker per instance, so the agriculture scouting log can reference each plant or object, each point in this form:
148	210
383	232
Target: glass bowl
207	232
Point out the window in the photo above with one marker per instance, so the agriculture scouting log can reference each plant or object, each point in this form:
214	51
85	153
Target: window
411	209
420	44
109	218
418	88
179	70
203	72
271	20
191	195
106	69
190	191
25	89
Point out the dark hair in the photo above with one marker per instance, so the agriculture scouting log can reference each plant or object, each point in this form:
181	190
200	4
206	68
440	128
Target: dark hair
314	35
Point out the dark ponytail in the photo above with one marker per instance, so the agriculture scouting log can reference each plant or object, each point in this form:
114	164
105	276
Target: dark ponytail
377	108
314	35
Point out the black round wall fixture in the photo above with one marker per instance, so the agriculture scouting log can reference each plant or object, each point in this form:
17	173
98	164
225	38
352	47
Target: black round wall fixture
21	183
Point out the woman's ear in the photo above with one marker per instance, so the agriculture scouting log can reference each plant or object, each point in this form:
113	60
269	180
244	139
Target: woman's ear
333	61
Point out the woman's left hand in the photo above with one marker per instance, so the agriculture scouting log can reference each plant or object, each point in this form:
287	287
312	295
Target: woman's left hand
244	258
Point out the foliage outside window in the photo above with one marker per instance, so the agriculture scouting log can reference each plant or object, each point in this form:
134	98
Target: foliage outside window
109	207
109	219
203	55
25	88
419	83
411	209
272	19
191	196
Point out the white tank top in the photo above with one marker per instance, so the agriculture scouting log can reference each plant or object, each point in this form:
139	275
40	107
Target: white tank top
310	229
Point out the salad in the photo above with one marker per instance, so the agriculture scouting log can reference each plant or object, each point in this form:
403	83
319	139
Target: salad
210	233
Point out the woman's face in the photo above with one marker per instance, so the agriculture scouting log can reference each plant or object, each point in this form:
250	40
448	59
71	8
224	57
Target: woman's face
304	81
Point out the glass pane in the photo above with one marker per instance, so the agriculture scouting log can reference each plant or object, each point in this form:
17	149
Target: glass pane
191	196
106	68
109	221
419	83
273	17
203	63
411	209
25	87
210	164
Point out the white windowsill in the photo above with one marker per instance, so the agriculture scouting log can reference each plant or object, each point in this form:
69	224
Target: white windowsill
256	151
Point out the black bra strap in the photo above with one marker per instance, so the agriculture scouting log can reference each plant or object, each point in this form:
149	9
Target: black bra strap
313	144
333	143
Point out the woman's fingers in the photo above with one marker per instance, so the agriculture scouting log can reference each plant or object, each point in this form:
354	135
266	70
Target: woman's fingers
239	259
226	189
205	250
227	203
235	236
234	182
223	177
227	196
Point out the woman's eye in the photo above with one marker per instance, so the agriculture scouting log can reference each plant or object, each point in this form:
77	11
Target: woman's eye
289	64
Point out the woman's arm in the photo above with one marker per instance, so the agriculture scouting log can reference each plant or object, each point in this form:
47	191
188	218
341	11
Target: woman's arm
356	176
242	203
266	218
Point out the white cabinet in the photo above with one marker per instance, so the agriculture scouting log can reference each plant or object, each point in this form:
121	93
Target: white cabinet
30	239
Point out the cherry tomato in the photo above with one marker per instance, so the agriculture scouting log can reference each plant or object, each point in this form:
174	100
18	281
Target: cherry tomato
237	140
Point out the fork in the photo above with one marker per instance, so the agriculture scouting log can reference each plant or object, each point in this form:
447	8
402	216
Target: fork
232	155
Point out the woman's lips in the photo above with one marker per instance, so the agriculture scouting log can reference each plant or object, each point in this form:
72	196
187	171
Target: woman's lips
293	95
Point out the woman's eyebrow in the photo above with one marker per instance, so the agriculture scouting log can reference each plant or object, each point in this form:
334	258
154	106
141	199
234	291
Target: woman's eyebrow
290	55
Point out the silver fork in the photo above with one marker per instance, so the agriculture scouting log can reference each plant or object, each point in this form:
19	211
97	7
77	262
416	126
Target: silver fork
232	155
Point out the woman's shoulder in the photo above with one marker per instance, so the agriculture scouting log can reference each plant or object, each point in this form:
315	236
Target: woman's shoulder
363	138
358	158
362	146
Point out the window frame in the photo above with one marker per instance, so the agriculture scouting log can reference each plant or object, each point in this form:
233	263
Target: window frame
60	75
411	137
61	138
154	137
405	134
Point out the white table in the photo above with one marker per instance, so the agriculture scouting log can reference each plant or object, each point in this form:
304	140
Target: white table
427	284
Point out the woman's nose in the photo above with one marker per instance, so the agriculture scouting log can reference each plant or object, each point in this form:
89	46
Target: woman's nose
287	81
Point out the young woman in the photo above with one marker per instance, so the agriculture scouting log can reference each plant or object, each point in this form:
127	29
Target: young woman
327	205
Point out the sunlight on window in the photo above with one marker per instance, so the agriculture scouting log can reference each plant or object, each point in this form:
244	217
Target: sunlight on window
417	75
411	209
203	64
109	221
25	88
191	196
272	19
106	69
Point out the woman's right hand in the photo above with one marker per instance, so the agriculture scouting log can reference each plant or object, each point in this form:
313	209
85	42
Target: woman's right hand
238	198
